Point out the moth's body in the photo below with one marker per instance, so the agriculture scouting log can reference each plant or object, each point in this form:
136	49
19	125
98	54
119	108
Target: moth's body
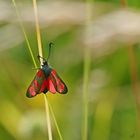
46	69
46	80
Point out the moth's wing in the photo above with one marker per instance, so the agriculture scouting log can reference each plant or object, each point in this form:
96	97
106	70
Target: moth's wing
55	84
38	85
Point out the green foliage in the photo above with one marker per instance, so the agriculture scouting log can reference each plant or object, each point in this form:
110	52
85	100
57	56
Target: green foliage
112	113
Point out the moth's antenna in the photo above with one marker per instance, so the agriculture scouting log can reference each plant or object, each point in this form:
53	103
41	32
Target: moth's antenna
50	45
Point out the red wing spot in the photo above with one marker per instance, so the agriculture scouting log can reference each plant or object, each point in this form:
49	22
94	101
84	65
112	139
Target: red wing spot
32	91
61	88
39	73
60	85
36	83
54	72
43	87
50	85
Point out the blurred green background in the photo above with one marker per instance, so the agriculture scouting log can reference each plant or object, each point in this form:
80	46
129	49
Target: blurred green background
98	40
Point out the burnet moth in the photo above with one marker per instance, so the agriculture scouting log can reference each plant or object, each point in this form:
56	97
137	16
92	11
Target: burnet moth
46	80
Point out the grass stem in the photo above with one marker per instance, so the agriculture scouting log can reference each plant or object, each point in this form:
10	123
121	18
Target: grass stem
56	124
47	105
40	50
85	94
25	35
48	117
133	74
86	73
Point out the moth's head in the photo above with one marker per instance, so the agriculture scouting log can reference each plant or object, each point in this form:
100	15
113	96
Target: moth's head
45	61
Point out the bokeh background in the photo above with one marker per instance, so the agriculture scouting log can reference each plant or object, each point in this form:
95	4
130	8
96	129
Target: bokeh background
96	53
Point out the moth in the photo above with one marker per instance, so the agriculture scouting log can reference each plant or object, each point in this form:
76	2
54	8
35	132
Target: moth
46	79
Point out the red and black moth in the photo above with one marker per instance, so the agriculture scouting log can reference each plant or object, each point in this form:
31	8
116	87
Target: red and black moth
46	80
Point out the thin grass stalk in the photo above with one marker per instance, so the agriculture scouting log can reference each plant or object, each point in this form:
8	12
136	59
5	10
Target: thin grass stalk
134	81
85	95
48	117
41	54
133	74
87	61
24	33
56	124
40	50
